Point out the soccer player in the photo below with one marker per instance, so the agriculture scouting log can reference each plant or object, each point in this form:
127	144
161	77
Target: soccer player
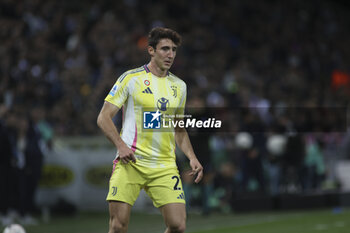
147	159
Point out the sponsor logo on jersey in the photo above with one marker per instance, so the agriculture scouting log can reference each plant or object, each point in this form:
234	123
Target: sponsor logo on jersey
181	196
147	91
163	104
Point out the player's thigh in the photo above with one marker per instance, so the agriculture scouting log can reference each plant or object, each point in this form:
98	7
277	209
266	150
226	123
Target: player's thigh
119	214
165	188
125	184
174	215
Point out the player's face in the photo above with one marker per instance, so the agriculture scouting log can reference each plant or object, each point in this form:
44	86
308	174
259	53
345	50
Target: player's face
164	54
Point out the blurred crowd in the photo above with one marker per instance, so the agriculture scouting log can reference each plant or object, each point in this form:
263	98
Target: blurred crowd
59	59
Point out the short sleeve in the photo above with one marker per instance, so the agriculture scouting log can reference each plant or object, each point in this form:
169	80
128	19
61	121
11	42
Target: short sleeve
119	92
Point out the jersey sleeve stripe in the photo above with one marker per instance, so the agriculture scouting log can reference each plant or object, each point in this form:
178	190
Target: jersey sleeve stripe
140	69
122	77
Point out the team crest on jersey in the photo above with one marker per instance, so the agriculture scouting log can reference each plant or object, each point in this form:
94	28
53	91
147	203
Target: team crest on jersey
115	189
174	89
147	82
163	104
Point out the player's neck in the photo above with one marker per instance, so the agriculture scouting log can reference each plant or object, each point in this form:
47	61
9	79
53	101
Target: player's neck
156	70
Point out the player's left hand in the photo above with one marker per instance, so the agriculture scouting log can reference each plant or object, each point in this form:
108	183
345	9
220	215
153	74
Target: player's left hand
197	169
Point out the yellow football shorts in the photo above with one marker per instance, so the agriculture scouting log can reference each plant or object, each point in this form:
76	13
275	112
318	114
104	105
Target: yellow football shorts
162	185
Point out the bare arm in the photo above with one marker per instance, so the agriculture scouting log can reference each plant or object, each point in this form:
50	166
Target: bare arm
183	141
105	122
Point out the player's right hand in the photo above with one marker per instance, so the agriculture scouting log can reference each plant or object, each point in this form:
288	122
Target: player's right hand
126	154
197	170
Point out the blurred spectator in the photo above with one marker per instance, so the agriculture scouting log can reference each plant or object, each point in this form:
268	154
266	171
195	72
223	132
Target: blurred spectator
314	164
12	160
32	170
276	148
252	171
226	187
42	127
293	178
5	167
252	158
22	163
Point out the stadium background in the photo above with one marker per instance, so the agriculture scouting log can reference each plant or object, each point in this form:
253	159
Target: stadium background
59	59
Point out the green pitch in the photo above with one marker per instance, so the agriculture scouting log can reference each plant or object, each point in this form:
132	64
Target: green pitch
322	221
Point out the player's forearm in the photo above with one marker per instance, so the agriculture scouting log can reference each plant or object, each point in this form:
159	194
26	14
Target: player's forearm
108	128
184	143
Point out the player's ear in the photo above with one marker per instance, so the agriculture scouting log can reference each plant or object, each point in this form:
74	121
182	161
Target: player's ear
151	50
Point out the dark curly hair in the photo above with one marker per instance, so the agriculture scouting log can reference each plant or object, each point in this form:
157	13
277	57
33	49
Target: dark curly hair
159	33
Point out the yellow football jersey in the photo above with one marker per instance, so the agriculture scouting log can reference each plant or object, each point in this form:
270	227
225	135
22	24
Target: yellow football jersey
143	97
